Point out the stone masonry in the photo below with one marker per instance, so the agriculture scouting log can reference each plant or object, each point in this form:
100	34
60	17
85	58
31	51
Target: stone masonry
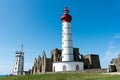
91	61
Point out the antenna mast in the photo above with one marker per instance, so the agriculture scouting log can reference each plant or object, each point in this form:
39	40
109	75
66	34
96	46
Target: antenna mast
22	47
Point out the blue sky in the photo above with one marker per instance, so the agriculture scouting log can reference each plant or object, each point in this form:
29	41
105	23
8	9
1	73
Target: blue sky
37	24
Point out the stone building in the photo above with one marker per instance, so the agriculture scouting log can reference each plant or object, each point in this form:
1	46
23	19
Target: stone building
115	64
91	61
44	64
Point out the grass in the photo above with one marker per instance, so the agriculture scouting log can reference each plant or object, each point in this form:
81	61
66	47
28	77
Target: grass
64	76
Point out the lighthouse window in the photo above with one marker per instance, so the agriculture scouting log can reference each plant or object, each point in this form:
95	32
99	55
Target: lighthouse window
22	68
17	59
15	68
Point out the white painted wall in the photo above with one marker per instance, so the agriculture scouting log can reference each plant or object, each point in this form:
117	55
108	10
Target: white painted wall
19	64
67	49
70	66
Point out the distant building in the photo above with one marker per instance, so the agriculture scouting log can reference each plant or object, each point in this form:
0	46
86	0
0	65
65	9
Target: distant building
18	68
115	64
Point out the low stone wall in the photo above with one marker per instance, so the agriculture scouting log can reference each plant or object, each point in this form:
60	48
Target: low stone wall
95	70
86	71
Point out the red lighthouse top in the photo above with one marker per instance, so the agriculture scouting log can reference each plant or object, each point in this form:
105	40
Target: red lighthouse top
66	16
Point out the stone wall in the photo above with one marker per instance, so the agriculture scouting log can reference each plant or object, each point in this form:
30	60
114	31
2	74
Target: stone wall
77	56
56	55
49	65
95	70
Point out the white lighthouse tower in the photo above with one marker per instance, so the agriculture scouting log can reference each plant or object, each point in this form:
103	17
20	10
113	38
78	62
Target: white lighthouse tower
19	63
67	48
68	63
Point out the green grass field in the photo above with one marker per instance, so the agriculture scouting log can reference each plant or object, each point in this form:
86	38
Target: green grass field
65	76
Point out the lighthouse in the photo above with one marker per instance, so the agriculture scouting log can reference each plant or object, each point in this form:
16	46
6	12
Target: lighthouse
67	48
68	63
18	68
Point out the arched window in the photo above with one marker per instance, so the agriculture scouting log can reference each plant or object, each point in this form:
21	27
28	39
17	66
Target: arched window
77	67
64	68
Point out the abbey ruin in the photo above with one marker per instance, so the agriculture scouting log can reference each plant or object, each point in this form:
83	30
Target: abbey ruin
43	64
